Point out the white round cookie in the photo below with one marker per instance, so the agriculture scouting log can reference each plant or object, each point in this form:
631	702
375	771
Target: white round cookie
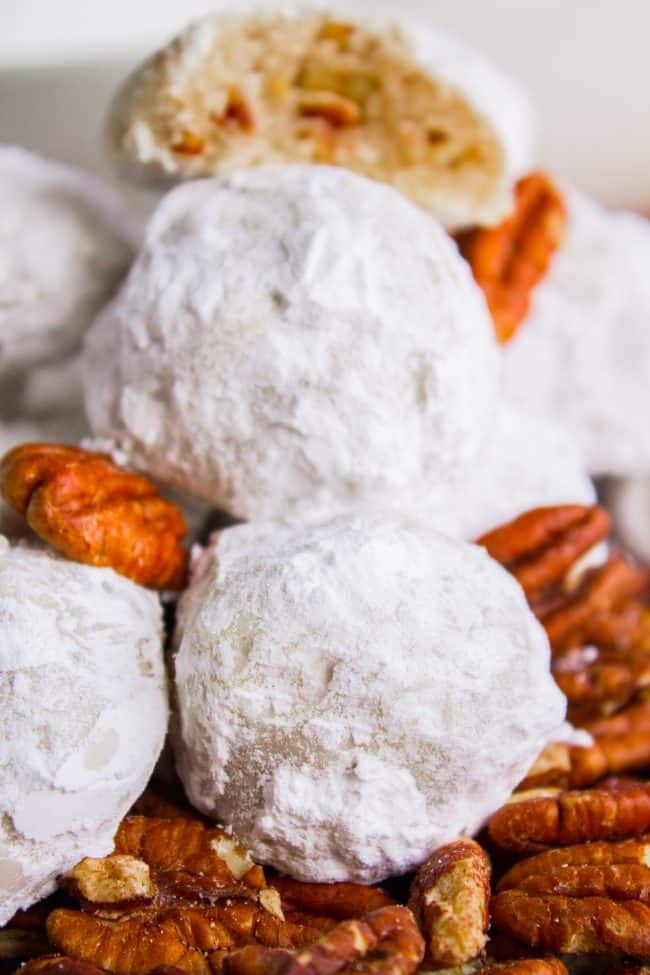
64	246
582	358
353	694
524	463
84	704
293	332
395	99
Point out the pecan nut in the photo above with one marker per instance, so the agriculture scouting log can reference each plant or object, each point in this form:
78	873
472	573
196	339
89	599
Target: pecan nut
527	966
384	942
601	592
568	925
176	892
509	261
190	938
166	861
449	897
342	901
540	546
605	812
95	512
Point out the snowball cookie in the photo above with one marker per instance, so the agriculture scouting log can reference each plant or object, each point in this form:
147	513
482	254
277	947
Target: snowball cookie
83	697
64	246
582	358
409	105
524	463
293	332
628	501
353	694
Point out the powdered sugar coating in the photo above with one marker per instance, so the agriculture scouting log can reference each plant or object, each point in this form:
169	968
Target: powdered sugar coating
64	245
582	357
524	463
353	694
293	332
83	696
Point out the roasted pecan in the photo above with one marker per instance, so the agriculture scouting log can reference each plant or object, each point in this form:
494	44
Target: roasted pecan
385	942
540	546
605	812
596	854
174	892
509	261
343	901
97	513
167	861
573	924
619	871
193	939
602	684
527	966
337	110
601	591
449	898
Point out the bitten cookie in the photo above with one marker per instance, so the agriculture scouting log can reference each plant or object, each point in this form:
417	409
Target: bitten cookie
406	104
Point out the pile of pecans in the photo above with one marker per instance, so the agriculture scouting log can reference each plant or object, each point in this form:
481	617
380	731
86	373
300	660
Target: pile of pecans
561	873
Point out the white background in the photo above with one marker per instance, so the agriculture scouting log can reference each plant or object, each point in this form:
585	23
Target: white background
585	62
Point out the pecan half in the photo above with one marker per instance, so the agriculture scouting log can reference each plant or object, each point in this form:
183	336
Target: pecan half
163	862
600	593
342	901
509	261
191	938
449	898
601	685
95	512
385	942
605	812
527	966
540	546
337	110
572	924
179	892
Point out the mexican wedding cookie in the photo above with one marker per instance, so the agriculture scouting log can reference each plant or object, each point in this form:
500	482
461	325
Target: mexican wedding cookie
64	246
294	332
409	105
582	357
354	694
526	462
82	690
